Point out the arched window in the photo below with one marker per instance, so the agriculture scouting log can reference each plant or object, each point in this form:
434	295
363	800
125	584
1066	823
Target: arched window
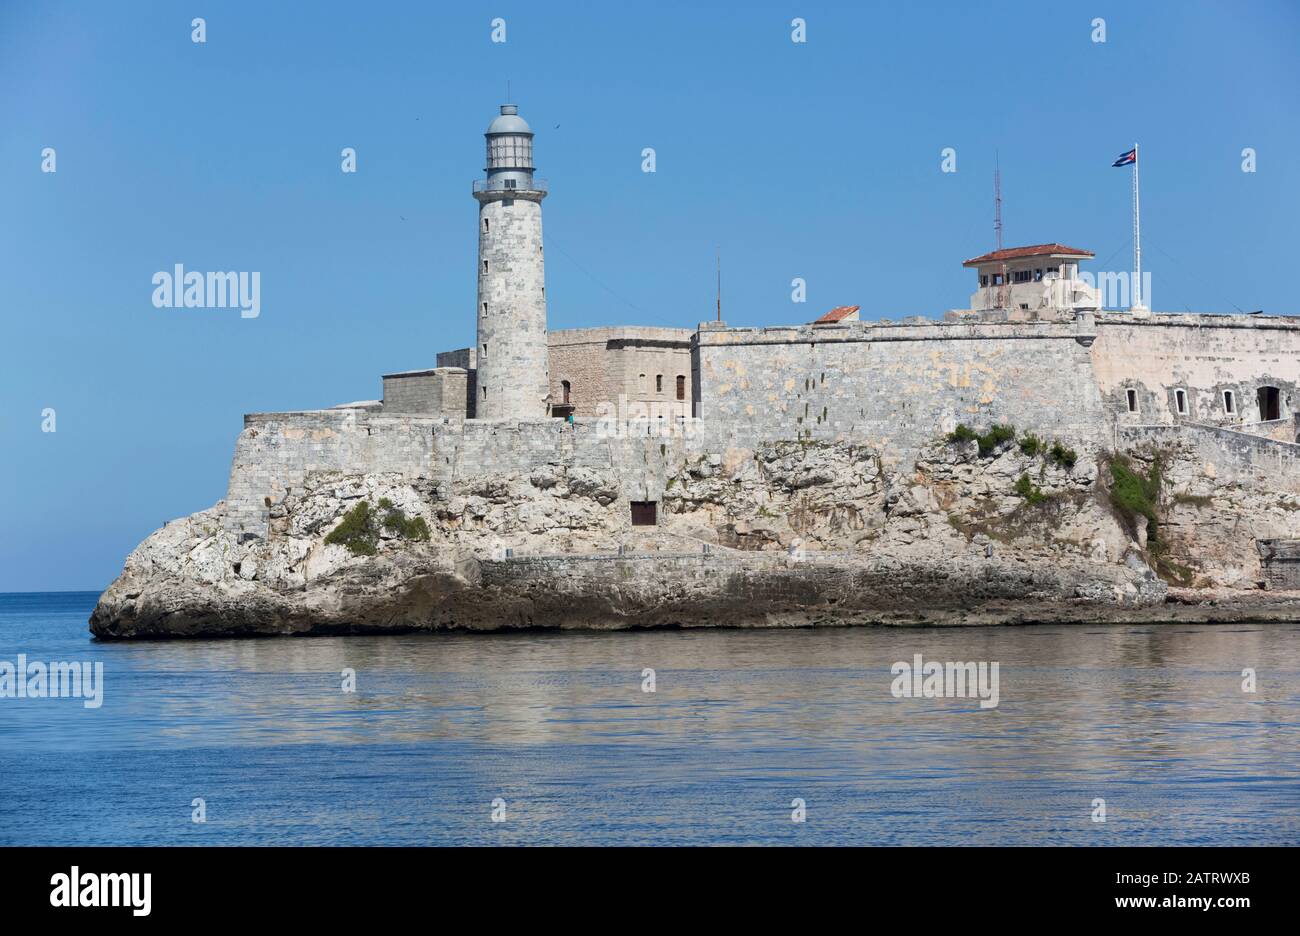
565	385
659	383
1270	404
681	386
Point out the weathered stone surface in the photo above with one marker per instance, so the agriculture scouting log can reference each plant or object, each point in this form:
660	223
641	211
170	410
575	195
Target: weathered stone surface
803	533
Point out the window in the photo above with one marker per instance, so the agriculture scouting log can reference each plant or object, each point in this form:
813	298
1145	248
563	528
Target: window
564	385
1229	404
512	183
984	279
681	386
1180	401
485	308
640	382
659	383
644	513
486	226
1270	405
1038	276
485	343
1132	400
485	266
1021	276
485	393
997	279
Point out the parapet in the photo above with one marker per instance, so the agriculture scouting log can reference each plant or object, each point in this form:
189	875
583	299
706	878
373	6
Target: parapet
1250	320
622	335
911	328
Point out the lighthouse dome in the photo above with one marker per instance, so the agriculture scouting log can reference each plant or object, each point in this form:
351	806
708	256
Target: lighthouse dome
509	122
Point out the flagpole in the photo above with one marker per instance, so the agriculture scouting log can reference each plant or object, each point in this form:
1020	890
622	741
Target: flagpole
1137	238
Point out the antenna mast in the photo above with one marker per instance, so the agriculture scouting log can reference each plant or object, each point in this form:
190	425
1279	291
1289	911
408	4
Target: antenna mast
719	284
997	227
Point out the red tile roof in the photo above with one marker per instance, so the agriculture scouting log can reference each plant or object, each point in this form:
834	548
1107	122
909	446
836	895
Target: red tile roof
836	314
1038	250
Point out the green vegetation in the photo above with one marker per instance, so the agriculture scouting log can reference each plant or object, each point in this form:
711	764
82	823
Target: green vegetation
1136	495
1064	456
987	442
1031	445
356	531
409	528
359	529
1031	492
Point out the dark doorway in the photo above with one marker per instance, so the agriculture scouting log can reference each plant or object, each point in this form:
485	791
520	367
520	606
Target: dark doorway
564	384
645	513
1269	405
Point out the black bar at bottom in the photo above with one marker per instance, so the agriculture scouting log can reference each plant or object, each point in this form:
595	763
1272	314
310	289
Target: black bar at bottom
335	885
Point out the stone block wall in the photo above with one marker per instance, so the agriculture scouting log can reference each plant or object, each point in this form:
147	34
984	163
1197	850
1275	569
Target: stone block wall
579	356
467	360
1279	561
643	461
438	392
1202	355
276	452
1225	455
895	387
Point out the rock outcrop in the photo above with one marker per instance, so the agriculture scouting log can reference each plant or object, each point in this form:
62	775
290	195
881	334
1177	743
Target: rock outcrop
791	533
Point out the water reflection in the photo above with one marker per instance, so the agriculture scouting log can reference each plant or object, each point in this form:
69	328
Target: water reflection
1152	718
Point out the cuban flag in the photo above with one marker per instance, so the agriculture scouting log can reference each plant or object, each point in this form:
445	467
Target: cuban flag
1127	159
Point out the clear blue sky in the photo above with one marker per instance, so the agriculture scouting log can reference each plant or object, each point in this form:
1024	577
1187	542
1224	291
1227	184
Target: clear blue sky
818	160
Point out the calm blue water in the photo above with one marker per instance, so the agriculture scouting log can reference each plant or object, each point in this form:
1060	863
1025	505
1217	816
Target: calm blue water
1152	719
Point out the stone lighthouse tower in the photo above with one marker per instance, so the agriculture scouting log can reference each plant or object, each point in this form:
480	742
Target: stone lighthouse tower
513	377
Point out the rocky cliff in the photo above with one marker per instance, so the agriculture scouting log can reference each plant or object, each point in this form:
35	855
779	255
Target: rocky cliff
978	530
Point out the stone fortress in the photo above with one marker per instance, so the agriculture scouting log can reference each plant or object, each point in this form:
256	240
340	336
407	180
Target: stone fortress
834	435
1060	366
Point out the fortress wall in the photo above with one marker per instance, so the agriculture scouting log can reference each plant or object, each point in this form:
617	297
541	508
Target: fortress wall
1225	455
896	386
1203	355
642	458
276	451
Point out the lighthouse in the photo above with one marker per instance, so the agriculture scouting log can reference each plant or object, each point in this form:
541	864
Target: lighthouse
513	380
